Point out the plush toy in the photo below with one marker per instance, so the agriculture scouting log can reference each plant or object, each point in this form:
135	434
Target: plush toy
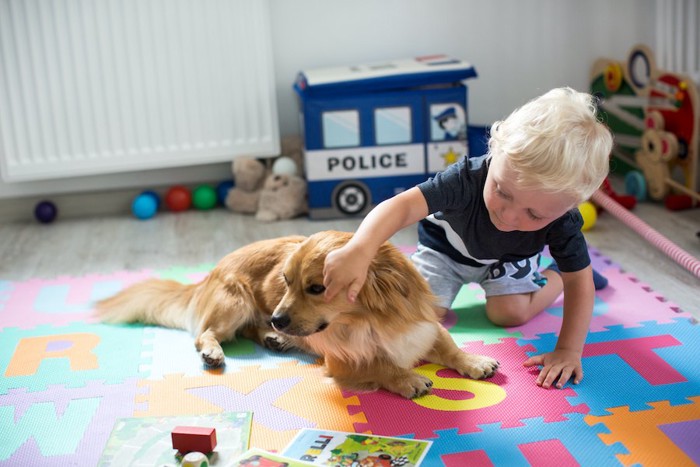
248	175
283	196
272	190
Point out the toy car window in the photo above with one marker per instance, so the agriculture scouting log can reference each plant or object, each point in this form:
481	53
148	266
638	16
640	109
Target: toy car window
341	129
392	125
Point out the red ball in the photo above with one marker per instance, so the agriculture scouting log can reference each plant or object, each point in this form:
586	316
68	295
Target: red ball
178	198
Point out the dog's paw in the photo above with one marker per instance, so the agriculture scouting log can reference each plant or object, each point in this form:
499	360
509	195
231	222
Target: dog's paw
276	342
212	356
414	385
480	367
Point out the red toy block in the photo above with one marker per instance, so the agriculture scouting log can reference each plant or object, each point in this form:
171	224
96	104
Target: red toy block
194	438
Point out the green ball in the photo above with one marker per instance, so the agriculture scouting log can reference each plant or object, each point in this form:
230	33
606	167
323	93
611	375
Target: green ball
204	197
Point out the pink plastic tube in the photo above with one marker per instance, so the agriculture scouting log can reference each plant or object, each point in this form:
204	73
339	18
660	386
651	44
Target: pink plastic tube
672	250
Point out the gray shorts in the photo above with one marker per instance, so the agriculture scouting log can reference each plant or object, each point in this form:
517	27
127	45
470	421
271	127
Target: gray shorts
446	276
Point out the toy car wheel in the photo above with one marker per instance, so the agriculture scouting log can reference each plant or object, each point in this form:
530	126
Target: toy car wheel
636	185
351	199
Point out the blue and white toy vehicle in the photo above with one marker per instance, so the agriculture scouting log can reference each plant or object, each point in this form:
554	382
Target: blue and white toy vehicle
372	131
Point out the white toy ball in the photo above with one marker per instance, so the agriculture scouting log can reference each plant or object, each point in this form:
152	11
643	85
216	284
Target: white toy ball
284	166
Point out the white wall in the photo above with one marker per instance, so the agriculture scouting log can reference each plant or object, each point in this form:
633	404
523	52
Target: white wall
520	49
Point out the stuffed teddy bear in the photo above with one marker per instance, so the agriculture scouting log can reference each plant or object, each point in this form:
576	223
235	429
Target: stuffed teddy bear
248	176
283	196
272	191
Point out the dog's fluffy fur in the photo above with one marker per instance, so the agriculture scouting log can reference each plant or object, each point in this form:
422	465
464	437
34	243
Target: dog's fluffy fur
272	292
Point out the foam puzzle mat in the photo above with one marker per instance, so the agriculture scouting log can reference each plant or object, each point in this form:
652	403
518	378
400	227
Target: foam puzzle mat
67	379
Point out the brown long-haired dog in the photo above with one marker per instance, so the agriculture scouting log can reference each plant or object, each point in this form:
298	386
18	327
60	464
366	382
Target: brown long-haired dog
272	292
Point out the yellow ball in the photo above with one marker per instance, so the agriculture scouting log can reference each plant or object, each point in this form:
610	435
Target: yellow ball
589	214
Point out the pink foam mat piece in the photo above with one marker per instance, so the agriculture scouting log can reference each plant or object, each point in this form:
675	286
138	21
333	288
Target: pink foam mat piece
61	300
625	301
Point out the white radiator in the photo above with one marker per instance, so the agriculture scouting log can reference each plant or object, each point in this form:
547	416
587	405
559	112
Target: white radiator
103	86
678	37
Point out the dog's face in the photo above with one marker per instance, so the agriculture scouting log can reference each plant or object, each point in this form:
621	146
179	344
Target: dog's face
303	309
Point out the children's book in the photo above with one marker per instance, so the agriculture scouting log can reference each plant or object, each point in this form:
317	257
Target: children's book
147	441
259	458
324	447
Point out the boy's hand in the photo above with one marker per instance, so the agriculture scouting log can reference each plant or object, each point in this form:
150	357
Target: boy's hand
344	268
558	366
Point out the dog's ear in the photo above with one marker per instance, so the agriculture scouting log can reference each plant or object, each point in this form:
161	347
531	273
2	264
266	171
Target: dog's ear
315	249
386	279
331	240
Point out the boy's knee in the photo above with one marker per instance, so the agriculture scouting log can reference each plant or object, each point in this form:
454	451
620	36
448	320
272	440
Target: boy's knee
505	312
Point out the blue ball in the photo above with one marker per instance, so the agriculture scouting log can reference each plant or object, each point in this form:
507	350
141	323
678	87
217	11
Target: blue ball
222	190
144	206
45	212
155	197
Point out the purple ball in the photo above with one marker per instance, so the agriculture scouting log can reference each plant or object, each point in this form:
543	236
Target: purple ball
45	212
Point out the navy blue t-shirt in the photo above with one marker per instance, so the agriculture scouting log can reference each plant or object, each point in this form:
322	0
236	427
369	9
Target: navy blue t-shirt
461	228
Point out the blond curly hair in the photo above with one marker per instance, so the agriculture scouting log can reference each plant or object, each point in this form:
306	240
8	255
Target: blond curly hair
555	143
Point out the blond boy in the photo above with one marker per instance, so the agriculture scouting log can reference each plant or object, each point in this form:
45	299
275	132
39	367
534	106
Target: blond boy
487	219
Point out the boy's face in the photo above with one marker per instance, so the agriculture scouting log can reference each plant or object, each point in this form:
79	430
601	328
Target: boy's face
511	208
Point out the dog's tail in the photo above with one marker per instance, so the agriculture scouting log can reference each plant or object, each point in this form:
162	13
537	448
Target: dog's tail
156	301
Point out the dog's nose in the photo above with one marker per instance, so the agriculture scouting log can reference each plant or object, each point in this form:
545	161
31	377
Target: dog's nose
280	322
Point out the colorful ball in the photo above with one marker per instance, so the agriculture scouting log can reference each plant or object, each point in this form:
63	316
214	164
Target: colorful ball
144	206
284	165
589	213
45	212
222	190
204	197
154	195
178	198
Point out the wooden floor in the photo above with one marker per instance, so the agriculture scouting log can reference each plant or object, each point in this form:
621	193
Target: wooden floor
107	244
